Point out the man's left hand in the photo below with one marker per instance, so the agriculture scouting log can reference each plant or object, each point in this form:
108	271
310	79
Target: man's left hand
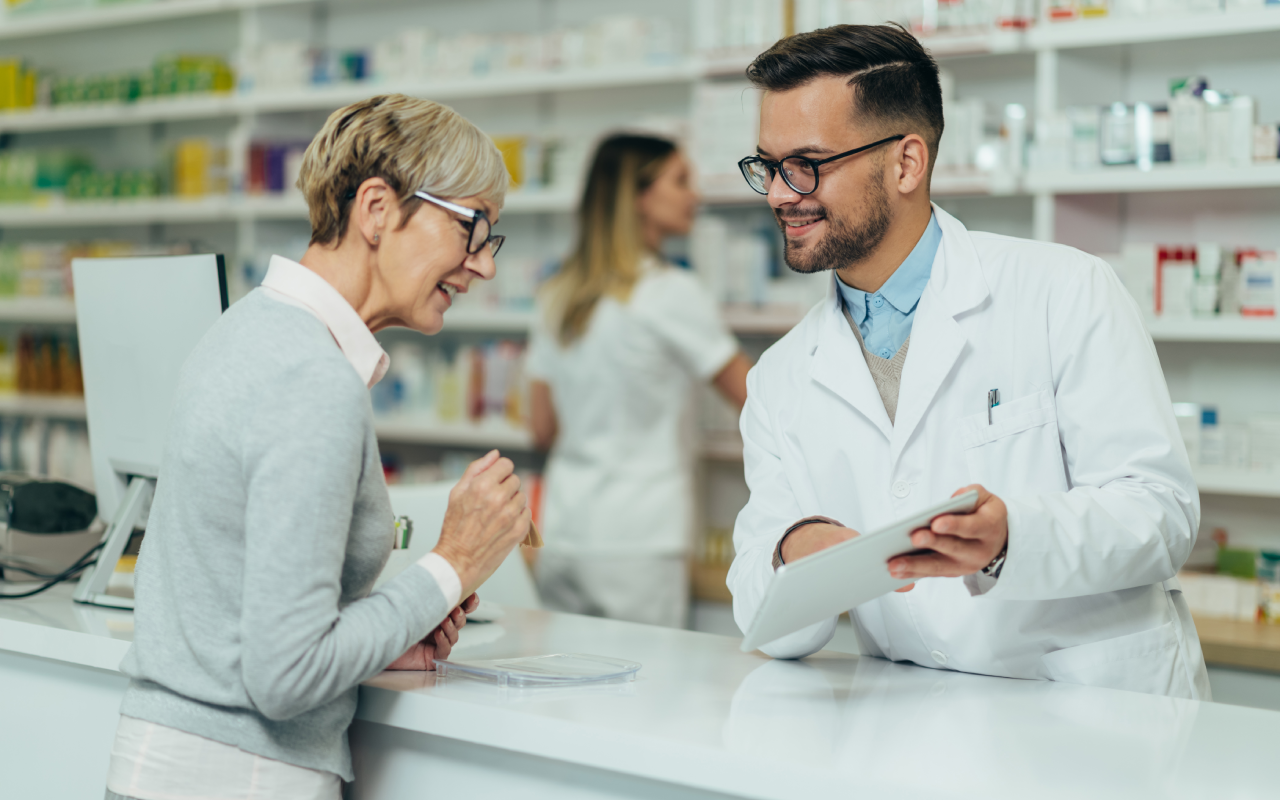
962	543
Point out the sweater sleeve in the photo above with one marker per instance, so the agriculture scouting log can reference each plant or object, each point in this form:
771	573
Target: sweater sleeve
301	647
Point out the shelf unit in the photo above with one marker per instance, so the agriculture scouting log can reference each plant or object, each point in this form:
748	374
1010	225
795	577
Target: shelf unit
409	429
38	310
37	405
1232	643
23	26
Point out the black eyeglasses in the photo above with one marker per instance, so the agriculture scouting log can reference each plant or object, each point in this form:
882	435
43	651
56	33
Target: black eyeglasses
479	229
800	173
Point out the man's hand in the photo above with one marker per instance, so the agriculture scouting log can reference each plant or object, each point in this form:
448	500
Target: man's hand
809	539
963	543
439	643
816	536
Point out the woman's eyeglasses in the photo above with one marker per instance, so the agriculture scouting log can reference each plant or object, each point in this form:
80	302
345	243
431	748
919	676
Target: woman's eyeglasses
479	228
480	231
800	173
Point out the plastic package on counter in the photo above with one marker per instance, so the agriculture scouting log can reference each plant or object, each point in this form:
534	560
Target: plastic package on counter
561	669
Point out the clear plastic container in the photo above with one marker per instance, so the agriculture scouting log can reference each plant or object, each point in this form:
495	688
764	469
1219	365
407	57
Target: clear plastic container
561	669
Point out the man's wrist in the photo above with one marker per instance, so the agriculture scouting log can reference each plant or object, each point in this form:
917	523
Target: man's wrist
777	551
993	569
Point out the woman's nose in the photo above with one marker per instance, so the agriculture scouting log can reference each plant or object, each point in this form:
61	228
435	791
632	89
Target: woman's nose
482	264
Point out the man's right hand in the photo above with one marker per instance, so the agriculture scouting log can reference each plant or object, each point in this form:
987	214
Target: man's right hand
815	536
487	517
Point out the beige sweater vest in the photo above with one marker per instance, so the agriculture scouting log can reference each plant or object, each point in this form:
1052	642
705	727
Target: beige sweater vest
886	372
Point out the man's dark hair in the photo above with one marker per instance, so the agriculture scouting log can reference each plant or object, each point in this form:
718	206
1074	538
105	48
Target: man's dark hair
894	79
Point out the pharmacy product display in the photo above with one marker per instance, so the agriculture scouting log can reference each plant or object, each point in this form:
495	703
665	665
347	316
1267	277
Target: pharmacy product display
472	384
43	269
1253	443
1201	280
191	167
419	55
1195	125
1231	582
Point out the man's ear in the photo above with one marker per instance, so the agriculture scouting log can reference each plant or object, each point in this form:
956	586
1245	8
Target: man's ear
912	167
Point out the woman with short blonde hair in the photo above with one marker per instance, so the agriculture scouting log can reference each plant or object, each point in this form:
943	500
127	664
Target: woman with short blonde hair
256	614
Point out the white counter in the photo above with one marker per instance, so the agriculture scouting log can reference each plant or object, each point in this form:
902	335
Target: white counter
701	719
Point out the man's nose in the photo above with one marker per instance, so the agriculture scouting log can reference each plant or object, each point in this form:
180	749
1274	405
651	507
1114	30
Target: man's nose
781	193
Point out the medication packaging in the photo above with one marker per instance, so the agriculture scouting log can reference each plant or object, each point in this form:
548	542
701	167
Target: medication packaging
1259	276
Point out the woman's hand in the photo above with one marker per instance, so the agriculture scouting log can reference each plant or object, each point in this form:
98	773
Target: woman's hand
487	517
439	643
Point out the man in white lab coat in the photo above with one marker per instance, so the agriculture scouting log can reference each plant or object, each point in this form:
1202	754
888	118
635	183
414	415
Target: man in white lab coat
942	360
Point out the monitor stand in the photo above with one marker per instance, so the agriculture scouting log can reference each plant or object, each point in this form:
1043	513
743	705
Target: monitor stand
92	588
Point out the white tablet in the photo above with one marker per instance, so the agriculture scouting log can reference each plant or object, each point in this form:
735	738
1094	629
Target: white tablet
834	580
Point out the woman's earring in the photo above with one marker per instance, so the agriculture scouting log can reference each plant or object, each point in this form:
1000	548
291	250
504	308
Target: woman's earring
376	237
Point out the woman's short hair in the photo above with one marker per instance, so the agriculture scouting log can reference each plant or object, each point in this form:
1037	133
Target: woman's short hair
412	144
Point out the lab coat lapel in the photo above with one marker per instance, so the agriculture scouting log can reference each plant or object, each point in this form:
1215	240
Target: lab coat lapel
956	285
838	364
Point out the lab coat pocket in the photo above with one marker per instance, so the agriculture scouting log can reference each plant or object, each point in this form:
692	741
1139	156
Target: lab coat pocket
1146	661
1017	448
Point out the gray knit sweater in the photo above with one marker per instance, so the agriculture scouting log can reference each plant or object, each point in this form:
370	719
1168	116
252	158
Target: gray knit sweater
255	620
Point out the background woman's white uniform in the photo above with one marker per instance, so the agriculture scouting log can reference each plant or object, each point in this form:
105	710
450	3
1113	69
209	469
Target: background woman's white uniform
618	502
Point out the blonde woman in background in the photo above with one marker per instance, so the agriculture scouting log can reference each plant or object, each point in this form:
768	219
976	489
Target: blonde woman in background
622	336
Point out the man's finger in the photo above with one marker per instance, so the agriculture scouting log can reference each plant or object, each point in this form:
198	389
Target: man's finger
957	547
969	526
926	565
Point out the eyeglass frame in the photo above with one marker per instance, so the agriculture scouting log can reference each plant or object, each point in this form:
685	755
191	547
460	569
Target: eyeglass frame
814	163
474	215
494	240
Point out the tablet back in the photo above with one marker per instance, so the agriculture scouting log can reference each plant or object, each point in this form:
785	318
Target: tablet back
842	577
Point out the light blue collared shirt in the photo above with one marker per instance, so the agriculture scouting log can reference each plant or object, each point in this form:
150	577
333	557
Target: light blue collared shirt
884	318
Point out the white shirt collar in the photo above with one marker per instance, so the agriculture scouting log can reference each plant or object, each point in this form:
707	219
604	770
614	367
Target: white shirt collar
291	283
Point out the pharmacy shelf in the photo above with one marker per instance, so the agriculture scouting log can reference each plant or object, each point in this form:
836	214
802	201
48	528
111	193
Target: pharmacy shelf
1121	180
110	16
1233	643
406	429
154	210
46	310
115	114
37	405
762	320
482	320
328	98
1220	329
1151	28
1238	481
994	42
119	212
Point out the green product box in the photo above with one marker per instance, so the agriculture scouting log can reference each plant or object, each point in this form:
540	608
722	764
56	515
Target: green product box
1240	563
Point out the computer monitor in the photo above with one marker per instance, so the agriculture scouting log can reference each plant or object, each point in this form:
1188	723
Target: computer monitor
137	321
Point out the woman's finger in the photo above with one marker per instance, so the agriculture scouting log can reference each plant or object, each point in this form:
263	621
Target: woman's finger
471	603
443	648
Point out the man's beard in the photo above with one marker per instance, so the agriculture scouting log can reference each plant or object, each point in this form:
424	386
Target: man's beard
843	245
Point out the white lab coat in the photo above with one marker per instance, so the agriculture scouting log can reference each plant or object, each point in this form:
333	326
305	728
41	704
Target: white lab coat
1083	449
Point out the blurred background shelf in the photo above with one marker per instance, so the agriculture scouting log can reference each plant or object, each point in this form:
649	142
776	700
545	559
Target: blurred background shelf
407	429
1162	178
1218	329
1168	27
36	405
43	310
92	19
1229	642
487	320
1237	481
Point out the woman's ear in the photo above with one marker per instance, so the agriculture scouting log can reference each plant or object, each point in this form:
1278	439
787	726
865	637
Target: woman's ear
374	210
